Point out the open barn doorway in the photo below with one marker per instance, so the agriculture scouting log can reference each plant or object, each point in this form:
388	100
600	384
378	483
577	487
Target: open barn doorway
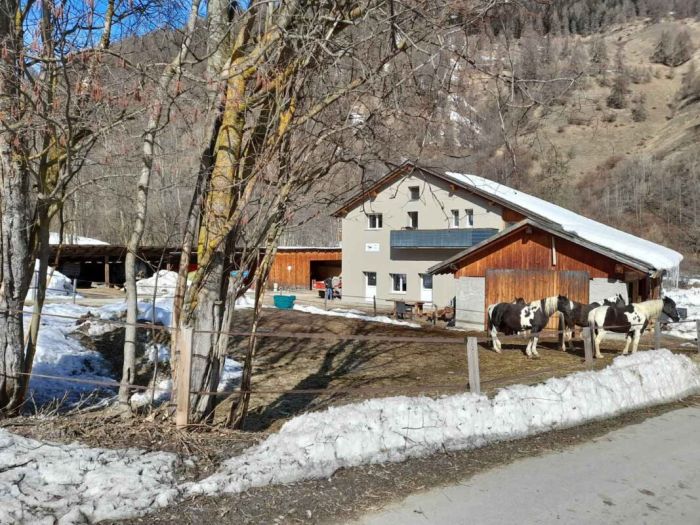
321	270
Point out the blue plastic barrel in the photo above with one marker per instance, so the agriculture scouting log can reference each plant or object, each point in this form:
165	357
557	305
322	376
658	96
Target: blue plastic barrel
284	302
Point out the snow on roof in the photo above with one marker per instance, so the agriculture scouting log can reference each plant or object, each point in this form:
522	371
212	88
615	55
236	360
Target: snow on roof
652	254
73	239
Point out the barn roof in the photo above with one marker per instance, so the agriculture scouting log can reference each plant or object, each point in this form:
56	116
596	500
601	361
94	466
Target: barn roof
453	263
622	244
615	243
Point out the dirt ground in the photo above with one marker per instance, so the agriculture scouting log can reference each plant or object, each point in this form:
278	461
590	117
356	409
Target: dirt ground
344	370
350	370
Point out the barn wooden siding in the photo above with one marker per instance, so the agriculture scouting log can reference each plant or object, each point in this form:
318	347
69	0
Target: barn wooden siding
503	286
533	251
299	276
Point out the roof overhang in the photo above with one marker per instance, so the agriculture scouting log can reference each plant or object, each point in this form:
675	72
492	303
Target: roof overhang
452	264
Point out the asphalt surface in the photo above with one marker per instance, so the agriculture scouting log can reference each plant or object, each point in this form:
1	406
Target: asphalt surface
645	473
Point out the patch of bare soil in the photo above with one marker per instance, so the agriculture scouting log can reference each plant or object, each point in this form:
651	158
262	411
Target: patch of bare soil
350	493
350	370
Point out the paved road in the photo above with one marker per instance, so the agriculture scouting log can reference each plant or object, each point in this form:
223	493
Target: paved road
646	473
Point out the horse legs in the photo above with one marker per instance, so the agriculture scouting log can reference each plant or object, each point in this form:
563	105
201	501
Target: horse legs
494	339
533	348
628	340
635	341
600	333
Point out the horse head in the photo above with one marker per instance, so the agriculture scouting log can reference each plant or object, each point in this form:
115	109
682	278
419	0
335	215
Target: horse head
670	309
616	300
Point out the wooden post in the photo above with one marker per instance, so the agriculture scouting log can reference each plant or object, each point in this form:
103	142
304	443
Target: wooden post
75	287
587	335
473	366
107	283
657	334
325	300
184	371
374	305
697	333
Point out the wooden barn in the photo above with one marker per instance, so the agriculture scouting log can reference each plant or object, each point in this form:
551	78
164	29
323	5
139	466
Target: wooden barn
295	267
535	258
292	268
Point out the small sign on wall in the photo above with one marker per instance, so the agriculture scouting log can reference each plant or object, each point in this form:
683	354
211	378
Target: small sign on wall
372	247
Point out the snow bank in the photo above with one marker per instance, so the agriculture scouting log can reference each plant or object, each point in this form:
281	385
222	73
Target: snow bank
315	445
58	354
161	313
54	238
42	482
167	281
353	314
51	483
58	286
658	256
689	299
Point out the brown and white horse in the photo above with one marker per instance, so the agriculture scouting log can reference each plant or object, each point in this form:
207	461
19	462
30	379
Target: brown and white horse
632	320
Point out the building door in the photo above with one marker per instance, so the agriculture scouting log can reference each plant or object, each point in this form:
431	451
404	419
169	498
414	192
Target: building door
426	287
370	285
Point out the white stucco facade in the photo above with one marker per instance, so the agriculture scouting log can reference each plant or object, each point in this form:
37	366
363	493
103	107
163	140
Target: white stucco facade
367	251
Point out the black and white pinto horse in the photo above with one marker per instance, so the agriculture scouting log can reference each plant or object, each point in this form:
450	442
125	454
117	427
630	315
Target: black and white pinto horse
519	316
580	311
632	320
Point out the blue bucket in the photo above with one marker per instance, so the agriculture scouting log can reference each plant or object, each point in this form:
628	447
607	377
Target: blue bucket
284	302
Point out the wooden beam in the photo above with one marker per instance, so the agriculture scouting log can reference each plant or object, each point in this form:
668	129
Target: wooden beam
107	281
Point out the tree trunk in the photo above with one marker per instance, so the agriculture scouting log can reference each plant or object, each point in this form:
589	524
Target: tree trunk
15	214
156	112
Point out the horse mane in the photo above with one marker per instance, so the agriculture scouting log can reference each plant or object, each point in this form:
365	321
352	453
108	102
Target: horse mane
550	305
650	308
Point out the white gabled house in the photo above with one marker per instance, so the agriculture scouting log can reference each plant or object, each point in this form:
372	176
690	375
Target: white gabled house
421	234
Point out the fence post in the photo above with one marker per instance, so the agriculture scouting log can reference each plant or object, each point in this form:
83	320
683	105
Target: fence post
374	305
75	287
587	336
562	328
184	370
325	300
473	366
697	333
657	334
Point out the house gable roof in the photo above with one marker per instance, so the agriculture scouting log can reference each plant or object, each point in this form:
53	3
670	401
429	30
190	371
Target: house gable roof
617	244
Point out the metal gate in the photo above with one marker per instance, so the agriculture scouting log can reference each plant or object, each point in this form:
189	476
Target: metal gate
503	286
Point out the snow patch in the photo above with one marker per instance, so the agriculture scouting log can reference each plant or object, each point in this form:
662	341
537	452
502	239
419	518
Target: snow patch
353	314
164	287
54	238
46	482
690	299
58	354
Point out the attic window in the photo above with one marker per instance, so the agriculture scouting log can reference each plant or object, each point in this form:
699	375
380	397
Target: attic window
470	217
414	192
374	221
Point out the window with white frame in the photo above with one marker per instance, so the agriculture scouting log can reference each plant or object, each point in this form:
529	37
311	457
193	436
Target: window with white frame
470	217
454	219
413	219
374	221
398	282
414	192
